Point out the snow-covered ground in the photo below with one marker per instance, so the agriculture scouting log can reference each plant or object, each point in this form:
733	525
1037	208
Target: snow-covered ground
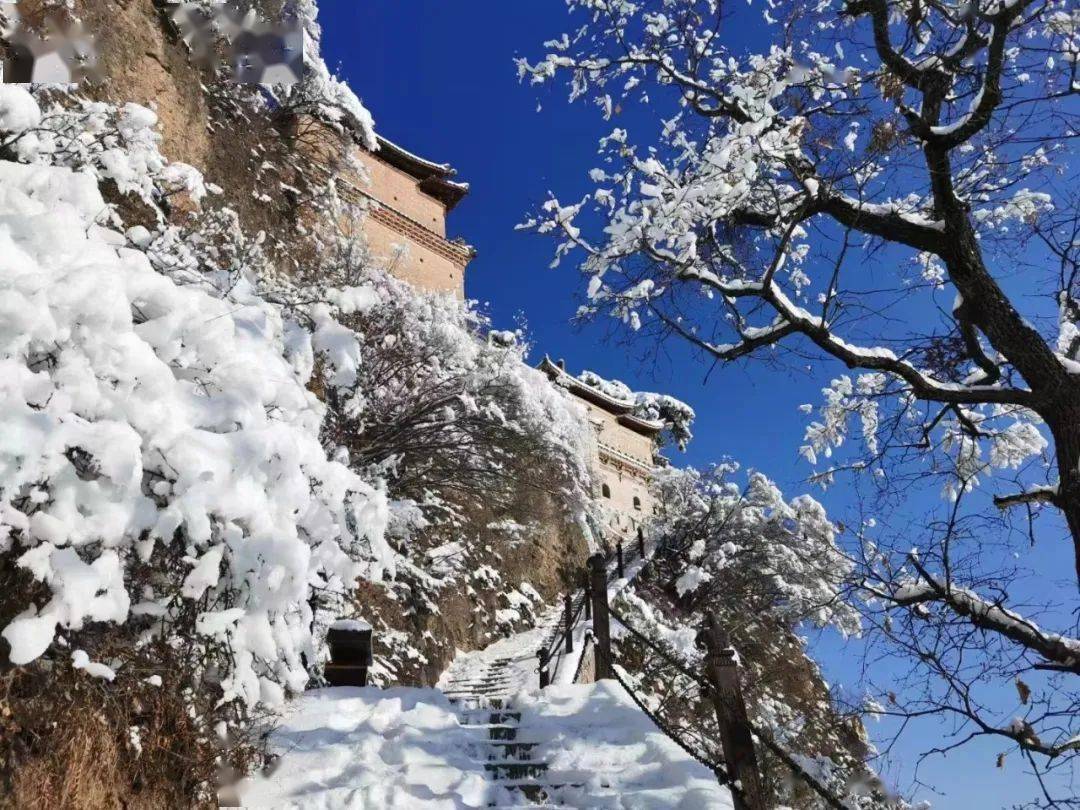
348	747
412	748
594	736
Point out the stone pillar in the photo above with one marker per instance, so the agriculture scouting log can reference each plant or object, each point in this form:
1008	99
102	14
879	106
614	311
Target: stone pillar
601	620
735	735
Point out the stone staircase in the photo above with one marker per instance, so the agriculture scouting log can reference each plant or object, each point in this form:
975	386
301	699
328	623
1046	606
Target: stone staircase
489	680
518	776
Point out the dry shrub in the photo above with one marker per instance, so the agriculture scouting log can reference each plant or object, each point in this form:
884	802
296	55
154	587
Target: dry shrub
68	740
146	739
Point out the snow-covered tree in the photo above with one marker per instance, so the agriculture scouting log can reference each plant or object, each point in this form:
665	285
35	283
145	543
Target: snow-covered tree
884	184
734	547
746	544
167	507
448	411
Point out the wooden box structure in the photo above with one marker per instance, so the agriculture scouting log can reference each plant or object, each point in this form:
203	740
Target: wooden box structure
350	653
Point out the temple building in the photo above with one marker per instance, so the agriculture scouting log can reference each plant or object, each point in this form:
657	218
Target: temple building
409	199
625	455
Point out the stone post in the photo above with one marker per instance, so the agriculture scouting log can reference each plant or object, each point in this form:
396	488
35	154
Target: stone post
738	742
569	611
601	626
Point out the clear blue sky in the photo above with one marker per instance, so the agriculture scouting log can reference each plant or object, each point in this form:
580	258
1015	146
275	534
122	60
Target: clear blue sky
439	78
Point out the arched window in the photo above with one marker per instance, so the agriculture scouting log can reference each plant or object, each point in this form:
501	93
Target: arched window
605	490
637	503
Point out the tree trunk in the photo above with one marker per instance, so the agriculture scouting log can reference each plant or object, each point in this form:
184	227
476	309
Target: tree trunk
1056	392
1065	429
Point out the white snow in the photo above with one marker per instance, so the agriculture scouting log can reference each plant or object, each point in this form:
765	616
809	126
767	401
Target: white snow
80	660
18	110
139	414
369	748
409	748
595	736
350	624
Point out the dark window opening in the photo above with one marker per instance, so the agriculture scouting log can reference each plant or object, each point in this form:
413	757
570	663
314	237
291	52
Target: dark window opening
637	503
605	490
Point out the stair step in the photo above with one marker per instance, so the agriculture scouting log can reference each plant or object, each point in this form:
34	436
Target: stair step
471	702
474	678
512	747
516	770
490	717
537	792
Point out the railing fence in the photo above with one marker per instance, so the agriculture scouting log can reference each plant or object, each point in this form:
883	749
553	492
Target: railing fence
719	682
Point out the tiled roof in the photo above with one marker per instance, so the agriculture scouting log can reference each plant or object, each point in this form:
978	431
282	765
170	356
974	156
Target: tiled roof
434	177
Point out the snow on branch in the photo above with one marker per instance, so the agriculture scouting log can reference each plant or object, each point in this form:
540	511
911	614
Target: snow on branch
160	457
1060	650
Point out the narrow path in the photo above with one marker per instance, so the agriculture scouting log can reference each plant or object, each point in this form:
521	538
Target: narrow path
500	670
510	665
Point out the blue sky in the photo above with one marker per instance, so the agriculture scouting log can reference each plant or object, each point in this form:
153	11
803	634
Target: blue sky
440	80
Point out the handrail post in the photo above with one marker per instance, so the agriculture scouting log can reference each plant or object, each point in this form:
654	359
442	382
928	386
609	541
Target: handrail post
601	620
730	707
569	608
641	543
619	557
545	676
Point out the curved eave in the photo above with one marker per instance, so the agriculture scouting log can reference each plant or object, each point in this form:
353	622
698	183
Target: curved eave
434	178
641	425
620	408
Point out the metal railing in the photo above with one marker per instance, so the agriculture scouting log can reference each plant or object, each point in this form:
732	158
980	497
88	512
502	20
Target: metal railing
559	643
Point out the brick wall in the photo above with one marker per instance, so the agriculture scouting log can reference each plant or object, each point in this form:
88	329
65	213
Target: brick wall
399	191
623	462
421	266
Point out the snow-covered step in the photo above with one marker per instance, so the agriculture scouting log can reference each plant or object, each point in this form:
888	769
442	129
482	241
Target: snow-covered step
512	750
539	791
497	717
533	790
503	732
516	770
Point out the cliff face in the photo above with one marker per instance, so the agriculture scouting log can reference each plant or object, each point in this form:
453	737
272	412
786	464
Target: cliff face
146	63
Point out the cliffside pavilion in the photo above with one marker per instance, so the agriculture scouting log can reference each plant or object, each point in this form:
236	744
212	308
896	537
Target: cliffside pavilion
625	455
410	198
